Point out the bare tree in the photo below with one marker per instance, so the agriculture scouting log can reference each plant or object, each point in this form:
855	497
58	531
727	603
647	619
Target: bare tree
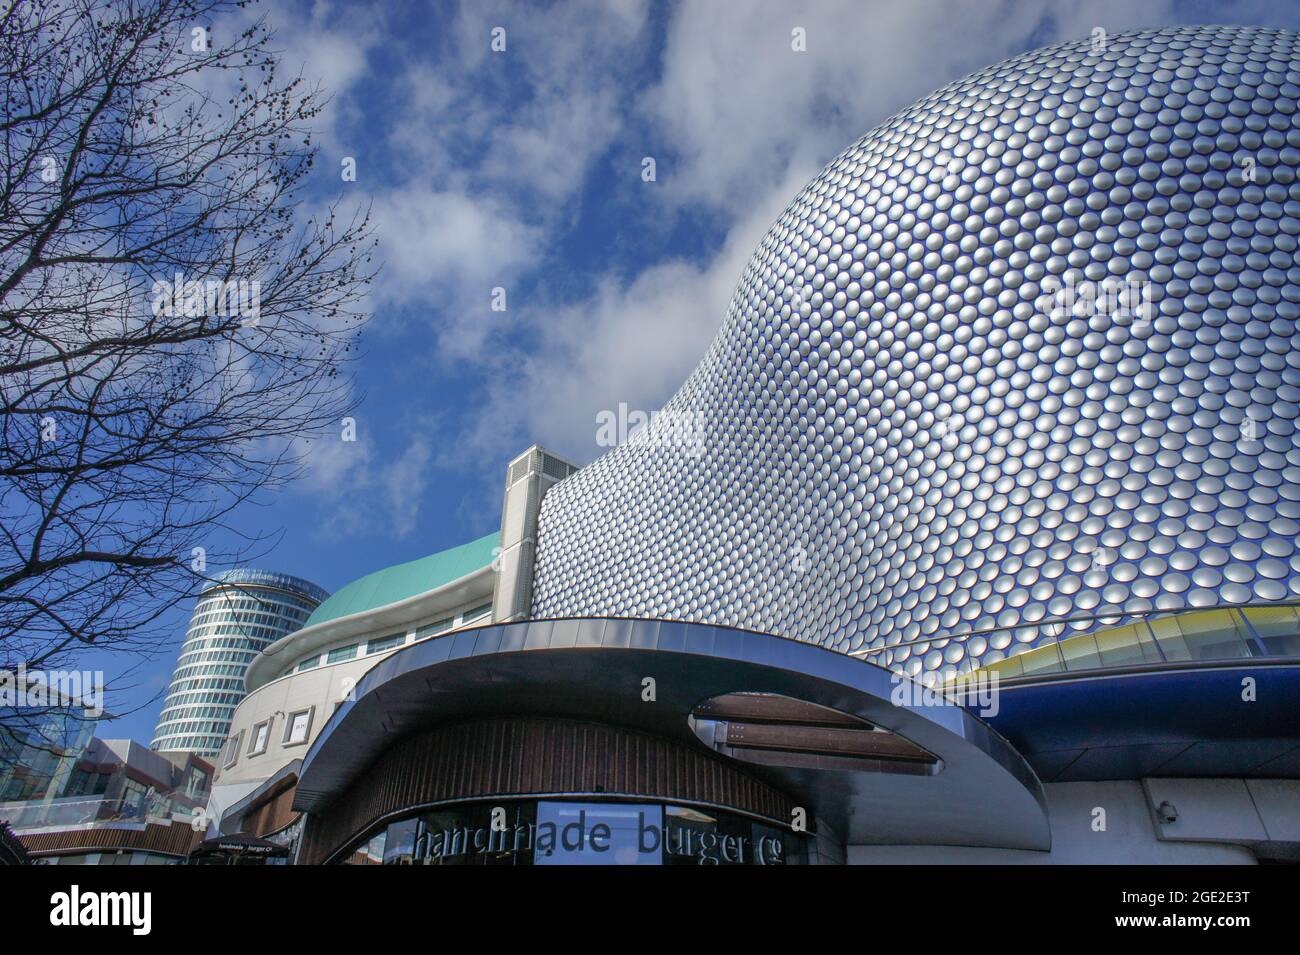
173	323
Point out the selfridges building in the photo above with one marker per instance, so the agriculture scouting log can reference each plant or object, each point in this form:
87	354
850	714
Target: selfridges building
975	525
1026	351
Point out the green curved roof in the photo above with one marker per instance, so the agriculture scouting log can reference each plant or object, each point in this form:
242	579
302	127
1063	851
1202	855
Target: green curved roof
396	583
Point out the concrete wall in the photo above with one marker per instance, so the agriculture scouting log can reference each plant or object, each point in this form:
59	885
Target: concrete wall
1216	826
322	687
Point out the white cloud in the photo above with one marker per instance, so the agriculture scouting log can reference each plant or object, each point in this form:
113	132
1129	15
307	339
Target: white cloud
633	342
451	239
404	484
333	46
328	45
331	463
363	492
492	153
487	154
448	251
737	104
750	122
527	122
551	152
575	58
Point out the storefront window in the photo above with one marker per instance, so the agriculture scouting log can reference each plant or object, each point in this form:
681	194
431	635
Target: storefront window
557	832
698	838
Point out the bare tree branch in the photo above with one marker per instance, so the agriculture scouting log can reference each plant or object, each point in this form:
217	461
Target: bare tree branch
172	321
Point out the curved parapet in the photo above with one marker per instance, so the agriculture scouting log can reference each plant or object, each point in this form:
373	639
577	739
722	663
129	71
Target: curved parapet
252	577
902	772
1027	350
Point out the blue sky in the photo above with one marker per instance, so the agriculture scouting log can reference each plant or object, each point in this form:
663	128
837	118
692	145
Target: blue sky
522	170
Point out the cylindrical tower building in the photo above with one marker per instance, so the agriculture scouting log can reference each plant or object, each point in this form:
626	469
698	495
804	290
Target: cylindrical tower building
236	616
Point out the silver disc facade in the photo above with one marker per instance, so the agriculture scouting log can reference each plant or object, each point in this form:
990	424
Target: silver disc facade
1027	350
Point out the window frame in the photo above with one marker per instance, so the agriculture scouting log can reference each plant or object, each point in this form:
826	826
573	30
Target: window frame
475	614
354	647
233	756
261	734
438	627
390	642
288	727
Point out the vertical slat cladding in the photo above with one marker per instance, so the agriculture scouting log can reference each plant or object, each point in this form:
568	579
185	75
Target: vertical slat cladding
614	758
176	838
516	769
584	768
478	772
402	787
546	757
491	772
505	768
461	742
527	756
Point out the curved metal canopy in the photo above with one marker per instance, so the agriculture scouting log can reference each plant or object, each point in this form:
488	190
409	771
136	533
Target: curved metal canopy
982	794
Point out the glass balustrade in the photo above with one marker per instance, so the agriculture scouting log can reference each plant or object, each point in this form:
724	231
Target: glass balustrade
1132	640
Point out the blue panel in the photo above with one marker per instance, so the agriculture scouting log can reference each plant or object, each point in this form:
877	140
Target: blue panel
539	634
1157	716
590	633
489	639
462	644
564	633
1050	765
1286	766
513	637
645	635
618	633
1232	757
574	833
1120	762
672	636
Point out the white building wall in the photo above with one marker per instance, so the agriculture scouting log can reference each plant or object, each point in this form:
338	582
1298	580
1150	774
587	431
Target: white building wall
319	689
1208	811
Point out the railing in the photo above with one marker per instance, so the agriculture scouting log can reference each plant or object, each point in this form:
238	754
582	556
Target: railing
1113	639
89	811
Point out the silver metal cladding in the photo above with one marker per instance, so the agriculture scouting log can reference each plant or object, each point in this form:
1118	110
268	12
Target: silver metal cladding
1027	349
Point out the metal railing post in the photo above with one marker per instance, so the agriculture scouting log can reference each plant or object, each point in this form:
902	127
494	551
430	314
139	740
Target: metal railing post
1155	640
1252	633
1139	617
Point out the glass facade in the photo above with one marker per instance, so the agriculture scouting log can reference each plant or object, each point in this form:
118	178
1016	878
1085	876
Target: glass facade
39	750
110	784
563	832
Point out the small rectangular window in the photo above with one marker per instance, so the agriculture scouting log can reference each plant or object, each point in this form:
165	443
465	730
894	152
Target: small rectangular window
232	753
472	616
298	726
385	643
440	626
261	733
339	654
308	664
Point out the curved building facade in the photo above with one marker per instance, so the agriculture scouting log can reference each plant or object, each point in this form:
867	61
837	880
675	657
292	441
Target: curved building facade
294	685
972	538
237	616
1027	351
